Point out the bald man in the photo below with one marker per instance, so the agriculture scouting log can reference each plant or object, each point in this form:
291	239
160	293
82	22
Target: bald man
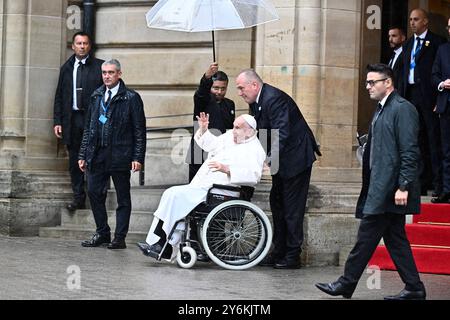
417	87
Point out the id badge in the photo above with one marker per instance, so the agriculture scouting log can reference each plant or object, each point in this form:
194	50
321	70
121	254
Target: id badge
102	119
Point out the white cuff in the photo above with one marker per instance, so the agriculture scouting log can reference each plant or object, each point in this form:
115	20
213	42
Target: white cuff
441	86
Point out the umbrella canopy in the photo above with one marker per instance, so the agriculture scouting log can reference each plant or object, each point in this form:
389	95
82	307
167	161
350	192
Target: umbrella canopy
209	15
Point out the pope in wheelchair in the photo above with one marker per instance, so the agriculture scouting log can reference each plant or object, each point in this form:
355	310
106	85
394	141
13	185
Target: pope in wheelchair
212	217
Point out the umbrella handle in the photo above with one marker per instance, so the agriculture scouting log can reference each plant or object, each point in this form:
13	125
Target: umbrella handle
214	47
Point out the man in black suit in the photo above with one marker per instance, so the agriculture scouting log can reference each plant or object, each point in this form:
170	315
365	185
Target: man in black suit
79	76
114	143
210	99
396	39
416	86
291	152
441	82
390	189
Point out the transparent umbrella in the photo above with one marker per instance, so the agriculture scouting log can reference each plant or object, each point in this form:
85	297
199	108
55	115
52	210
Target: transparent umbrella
209	15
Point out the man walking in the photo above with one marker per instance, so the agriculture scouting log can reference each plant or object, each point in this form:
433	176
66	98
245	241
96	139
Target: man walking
390	190
291	152
114	142
78	78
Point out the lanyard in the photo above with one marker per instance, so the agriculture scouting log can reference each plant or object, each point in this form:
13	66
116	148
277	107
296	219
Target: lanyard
105	107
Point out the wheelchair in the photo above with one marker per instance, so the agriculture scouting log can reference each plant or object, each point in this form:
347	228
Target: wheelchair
229	230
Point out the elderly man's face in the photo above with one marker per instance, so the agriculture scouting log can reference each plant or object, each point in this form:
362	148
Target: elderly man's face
241	130
246	89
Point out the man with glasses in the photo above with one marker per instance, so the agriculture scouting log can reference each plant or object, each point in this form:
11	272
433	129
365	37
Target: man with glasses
441	81
210	99
416	86
390	189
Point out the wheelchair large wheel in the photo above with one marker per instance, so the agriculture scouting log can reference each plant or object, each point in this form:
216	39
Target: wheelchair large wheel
237	235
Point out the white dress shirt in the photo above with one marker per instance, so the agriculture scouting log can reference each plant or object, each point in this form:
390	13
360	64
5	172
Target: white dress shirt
74	91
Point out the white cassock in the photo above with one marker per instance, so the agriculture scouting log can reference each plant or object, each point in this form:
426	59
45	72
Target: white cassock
245	161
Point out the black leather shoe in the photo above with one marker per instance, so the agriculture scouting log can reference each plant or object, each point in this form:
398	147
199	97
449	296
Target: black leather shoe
75	205
143	246
408	295
203	257
117	244
155	249
268	261
443	198
287	264
336	289
97	240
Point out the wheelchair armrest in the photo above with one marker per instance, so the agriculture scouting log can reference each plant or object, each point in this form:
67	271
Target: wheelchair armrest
245	192
224	187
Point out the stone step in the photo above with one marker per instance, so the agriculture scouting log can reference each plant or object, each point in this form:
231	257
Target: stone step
85	234
142	198
139	221
166	143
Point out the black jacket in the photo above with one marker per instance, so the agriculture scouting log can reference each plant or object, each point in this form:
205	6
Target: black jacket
441	72
395	160
124	132
221	116
397	68
422	71
296	144
91	80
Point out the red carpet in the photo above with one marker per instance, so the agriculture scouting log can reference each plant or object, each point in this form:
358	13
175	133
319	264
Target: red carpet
429	235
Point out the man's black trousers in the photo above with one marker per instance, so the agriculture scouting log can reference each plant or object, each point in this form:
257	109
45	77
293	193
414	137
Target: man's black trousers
76	175
98	177
390	227
288	202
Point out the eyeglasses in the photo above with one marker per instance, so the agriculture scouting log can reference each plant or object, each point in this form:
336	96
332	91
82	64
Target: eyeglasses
371	83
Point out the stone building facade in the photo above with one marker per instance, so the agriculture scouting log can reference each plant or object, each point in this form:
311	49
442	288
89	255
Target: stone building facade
316	52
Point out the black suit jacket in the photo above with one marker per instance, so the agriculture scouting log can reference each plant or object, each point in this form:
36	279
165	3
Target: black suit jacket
221	117
292	138
441	72
91	80
397	69
422	71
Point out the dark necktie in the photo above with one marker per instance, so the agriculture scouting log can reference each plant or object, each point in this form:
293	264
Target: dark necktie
109	97
418	47
391	61
79	86
375	118
413	63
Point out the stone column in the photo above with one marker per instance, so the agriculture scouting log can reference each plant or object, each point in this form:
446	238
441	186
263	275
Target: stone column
312	53
33	181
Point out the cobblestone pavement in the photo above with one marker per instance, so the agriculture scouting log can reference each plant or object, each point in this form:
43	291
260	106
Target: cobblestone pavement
39	268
